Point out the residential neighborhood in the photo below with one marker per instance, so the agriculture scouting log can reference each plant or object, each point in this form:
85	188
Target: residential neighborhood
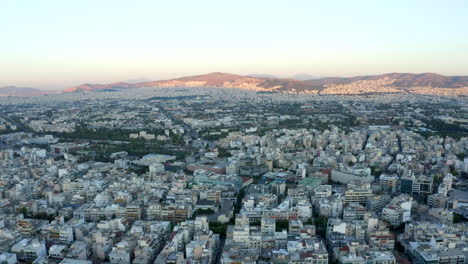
195	176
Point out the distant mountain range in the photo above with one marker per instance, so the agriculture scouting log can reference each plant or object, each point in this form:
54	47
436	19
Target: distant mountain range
425	83
93	87
216	79
404	80
19	91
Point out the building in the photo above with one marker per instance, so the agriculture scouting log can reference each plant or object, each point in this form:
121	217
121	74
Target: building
377	202
406	184
382	240
380	257
424	253
218	167
133	212
348	175
358	193
59	233
120	254
437	200
441	215
251	166
353	212
8	258
173	212
75	261
389	183
156	167
322	191
29	249
423	185
398	211
352	259
67	147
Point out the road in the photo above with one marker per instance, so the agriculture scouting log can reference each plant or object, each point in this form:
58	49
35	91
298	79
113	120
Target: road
219	250
20	126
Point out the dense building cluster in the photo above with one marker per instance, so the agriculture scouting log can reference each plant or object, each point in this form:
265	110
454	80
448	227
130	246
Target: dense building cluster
193	176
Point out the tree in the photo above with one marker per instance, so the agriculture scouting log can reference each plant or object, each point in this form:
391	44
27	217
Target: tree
218	228
438	179
256	223
281	225
321	224
223	153
458	218
379	192
201	211
398	229
375	171
238	204
453	171
461	156
23	210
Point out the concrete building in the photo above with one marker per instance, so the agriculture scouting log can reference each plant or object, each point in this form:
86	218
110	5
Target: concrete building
389	183
357	193
29	249
348	175
8	258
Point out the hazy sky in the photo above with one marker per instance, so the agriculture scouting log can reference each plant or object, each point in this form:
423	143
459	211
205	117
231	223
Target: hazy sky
61	43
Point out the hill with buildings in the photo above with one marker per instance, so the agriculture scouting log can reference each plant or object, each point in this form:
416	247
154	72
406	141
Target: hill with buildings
426	83
19	91
390	83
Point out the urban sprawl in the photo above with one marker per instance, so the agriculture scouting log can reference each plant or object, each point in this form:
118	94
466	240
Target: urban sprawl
211	175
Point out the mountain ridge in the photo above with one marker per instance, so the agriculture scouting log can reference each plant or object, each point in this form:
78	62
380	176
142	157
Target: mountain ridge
405	79
417	83
12	90
422	83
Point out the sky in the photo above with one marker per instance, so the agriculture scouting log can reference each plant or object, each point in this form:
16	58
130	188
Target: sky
55	44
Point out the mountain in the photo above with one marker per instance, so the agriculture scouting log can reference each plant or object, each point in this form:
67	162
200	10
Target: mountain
404	80
93	87
138	80
215	79
19	91
425	83
227	80
259	75
303	76
299	76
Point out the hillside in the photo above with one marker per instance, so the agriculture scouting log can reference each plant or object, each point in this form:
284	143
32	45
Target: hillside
425	83
405	80
92	87
19	91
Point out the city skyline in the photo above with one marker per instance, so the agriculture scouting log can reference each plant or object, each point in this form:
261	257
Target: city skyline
55	45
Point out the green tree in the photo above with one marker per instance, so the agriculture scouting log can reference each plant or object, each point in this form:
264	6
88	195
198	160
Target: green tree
219	228
458	218
23	210
309	221
201	211
281	225
321	223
